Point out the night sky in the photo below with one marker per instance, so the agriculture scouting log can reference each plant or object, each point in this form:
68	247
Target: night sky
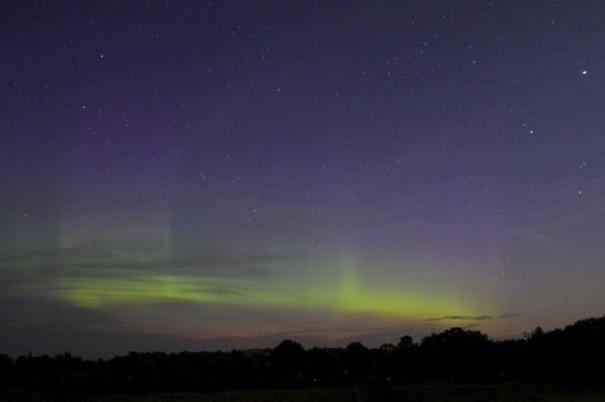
208	175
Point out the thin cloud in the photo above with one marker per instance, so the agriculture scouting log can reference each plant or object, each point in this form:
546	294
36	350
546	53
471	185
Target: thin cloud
529	235
472	317
104	258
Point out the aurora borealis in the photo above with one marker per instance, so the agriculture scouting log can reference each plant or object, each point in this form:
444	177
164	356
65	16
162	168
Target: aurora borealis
206	175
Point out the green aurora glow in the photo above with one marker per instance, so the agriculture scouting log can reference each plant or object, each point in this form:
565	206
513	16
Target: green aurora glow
347	295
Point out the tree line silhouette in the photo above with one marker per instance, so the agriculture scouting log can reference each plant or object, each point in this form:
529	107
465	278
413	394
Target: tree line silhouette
573	355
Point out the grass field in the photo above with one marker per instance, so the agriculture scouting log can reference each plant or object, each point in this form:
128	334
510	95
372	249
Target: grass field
403	394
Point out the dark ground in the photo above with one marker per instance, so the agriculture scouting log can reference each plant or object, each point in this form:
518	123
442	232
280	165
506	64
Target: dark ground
510	393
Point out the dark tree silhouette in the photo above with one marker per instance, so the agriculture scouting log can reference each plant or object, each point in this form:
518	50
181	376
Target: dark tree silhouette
289	362
405	342
357	359
570	355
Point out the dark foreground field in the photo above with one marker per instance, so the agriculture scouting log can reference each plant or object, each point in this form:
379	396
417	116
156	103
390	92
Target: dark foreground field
403	394
562	361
